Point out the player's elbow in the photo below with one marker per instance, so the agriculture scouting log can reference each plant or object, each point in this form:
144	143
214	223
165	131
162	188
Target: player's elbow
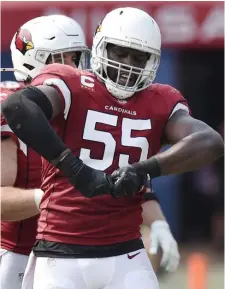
215	143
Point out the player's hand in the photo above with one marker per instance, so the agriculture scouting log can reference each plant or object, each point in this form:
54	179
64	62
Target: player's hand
161	236
88	181
128	181
92	183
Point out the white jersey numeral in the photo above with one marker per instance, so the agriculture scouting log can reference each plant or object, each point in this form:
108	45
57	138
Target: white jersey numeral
90	133
128	125
139	142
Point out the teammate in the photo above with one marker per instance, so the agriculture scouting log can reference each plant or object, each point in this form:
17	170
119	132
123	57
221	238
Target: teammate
88	231
38	42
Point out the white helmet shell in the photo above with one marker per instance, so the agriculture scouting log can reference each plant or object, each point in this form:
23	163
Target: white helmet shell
38	38
126	27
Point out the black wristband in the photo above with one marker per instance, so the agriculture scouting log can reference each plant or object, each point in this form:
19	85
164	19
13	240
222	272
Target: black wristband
150	167
150	197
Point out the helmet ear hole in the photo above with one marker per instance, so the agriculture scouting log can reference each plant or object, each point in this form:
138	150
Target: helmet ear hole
28	66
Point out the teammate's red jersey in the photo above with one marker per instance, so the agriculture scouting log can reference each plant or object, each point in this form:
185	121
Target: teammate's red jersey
20	236
106	134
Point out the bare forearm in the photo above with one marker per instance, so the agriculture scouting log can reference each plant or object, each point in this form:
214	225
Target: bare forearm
8	162
191	153
18	204
152	212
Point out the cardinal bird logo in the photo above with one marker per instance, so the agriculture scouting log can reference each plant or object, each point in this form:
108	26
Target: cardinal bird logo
23	41
98	28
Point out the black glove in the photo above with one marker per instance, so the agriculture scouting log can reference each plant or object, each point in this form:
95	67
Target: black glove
128	181
88	181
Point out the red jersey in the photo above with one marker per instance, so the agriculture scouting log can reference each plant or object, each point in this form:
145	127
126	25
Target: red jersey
105	133
19	237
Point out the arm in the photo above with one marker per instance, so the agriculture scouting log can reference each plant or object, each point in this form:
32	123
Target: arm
19	204
8	162
159	236
16	204
151	211
28	112
194	144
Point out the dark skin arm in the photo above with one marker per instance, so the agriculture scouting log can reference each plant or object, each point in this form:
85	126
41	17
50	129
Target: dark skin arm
194	145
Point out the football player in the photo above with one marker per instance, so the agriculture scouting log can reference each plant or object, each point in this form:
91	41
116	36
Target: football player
102	132
38	42
20	204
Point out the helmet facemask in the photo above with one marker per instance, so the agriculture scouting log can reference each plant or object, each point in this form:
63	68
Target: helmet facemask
81	57
44	57
143	76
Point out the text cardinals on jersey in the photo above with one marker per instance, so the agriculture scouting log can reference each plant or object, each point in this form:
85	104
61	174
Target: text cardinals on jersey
120	109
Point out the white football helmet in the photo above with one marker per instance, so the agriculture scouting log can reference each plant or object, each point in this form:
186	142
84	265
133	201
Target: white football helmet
127	27
43	37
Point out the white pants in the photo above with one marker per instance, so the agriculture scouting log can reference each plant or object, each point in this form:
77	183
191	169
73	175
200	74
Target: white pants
12	268
118	272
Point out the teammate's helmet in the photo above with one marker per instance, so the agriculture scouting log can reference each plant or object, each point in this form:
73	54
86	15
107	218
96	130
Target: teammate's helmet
127	27
43	37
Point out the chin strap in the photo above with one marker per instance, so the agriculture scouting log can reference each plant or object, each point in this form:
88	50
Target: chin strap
28	78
